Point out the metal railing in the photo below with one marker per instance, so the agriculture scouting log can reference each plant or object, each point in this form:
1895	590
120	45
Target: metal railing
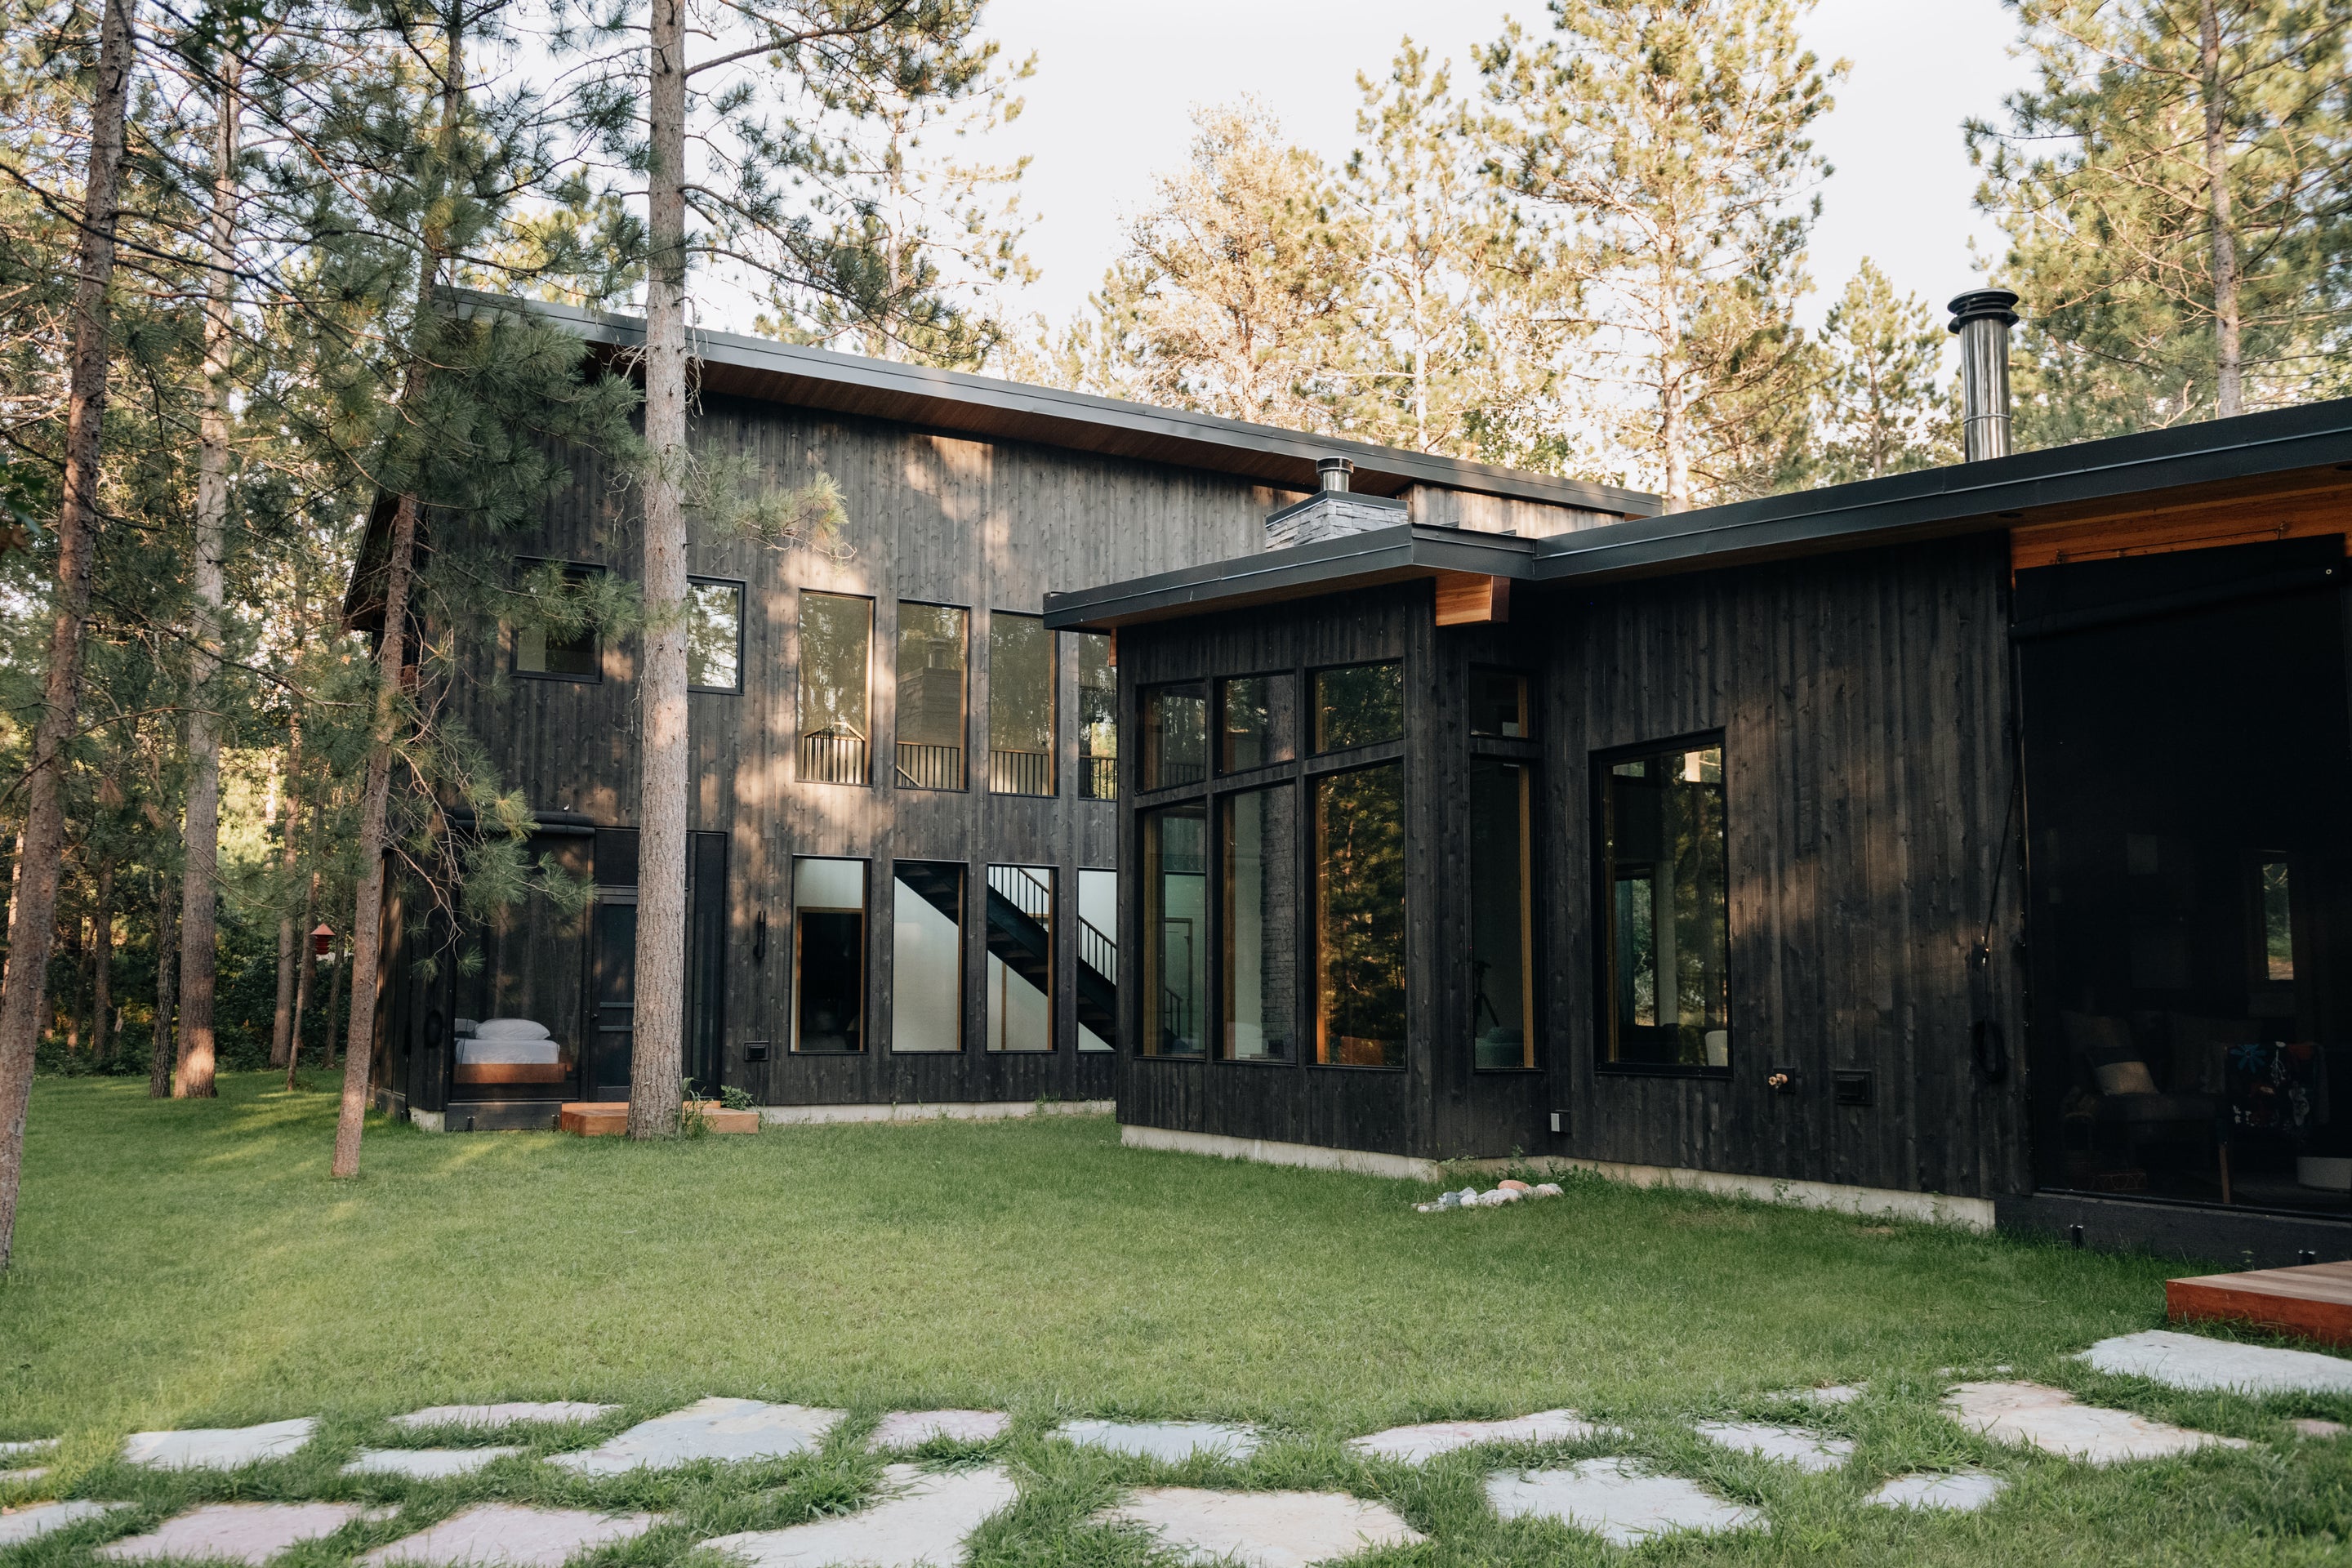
1020	772
1175	1016
1097	951
1098	777
1029	892
1168	774
929	767
828	758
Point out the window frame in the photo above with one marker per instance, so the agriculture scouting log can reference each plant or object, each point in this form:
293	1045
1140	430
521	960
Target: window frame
742	611
897	637
865	1047
1311	747
1150	953
963	960
1532	936
1054	966
1053	708
574	571
1598	762
1215	725
1147	754
1310	1045
1527	704
801	732
1217	916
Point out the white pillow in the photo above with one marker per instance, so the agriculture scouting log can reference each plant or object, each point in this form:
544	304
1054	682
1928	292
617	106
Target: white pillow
510	1029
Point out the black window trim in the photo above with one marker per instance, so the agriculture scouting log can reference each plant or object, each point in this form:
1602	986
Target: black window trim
898	631
742	611
1308	751
1309	976
865	961
573	570
1217	684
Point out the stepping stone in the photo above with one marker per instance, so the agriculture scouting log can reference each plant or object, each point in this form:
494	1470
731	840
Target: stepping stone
729	1431
1418	1445
218	1447
2313	1426
2052	1419
913	1428
1616	1499
513	1414
18	1525
507	1535
29	1445
1963	1490
1835	1394
1811	1451
249	1533
23	1477
1170	1442
924	1520
424	1464
1261	1530
2191	1361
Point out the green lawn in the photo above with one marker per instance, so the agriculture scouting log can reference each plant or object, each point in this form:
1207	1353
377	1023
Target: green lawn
190	1264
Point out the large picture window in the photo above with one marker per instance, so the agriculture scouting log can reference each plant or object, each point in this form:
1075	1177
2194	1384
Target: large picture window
1175	909
554	636
933	644
1020	705
1359	705
1021	958
1359	924
1253	722
836	641
714	635
926	956
1257	837
1502	922
1097	718
1175	736
1097	960
1666	910
828	954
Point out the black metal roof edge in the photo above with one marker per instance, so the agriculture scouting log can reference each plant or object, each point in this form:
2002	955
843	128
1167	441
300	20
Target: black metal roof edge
1331	564
1052	403
2274	441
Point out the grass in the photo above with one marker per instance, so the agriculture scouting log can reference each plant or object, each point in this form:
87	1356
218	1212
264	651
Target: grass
190	1264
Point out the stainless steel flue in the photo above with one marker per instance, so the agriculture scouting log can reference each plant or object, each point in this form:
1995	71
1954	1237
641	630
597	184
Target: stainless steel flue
1332	472
1981	318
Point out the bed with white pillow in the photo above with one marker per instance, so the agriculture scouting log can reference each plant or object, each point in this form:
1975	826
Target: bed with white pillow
508	1050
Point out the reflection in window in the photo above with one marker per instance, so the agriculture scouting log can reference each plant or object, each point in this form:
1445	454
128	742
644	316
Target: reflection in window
714	635
560	639
2278	923
1502	923
1175	737
926	956
1097	718
1258	834
1020	705
1666	909
1359	705
828	955
528	991
1097	960
1175	931
837	633
1252	721
1498	704
1358	852
932	660
1021	958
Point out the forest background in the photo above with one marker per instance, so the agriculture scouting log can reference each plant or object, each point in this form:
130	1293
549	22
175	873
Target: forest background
228	231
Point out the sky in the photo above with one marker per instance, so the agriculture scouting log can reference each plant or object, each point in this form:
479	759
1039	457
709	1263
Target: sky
1116	79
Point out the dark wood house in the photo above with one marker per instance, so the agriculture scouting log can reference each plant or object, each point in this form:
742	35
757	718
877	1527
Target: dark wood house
1969	844
905	841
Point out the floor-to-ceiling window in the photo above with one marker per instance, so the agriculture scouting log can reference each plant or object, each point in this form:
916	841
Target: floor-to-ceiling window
1175	931
1257	837
933	645
1357	852
828	954
927	905
1021	958
1502	913
1097	718
836	635
1666	909
1020	704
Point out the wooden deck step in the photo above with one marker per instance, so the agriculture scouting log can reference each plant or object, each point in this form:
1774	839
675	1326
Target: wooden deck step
610	1118
2314	1301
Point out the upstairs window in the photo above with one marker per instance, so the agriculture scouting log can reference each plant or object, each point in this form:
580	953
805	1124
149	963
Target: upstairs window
714	635
1666	910
933	655
1020	705
1175	737
554	636
1097	718
1498	704
836	644
1359	705
1253	722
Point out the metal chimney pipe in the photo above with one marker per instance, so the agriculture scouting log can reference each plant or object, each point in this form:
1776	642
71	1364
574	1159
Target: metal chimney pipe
1332	472
1981	319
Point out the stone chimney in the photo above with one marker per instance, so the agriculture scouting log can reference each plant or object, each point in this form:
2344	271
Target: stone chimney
1332	512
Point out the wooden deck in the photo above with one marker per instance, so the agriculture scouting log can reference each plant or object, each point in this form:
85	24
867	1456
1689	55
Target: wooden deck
610	1118
2314	1301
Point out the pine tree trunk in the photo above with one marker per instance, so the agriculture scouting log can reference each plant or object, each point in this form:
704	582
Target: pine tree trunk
199	931
162	1048
33	922
2229	355
658	1060
101	978
282	1028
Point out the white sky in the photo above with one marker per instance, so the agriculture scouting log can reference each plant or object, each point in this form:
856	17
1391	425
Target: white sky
1116	79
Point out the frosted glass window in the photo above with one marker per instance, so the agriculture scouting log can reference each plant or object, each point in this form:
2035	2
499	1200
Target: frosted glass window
1097	960
926	956
1021	958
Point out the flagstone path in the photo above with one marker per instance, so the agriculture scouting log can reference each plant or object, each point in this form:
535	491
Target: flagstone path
505	1535
2193	1361
18	1525
1831	1393
1814	1451
1170	1442
248	1532
511	1414
23	1477
26	1447
1617	1500
425	1464
2053	1419
913	1428
729	1431
1261	1530
1963	1490
218	1447
1419	1445
924	1518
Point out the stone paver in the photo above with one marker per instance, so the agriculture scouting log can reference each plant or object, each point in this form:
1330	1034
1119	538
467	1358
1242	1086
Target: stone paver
2052	1419
1617	1500
2191	1361
1419	1445
507	1535
1831	1393
26	1445
1261	1530
250	1532
1963	1490
511	1414
23	1478
218	1447
1815	1451
923	1520
424	1464
2315	1426
913	1428
1170	1442
730	1431
35	1519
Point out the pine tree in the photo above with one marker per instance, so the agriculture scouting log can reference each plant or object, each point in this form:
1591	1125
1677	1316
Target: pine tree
1882	411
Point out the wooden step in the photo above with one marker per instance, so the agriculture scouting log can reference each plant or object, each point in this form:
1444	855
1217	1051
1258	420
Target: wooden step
2314	1301
610	1118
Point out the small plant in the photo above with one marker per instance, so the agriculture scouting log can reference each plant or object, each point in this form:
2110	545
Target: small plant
691	1122
735	1099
